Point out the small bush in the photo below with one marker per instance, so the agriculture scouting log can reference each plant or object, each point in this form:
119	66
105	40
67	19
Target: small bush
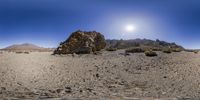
135	50
111	49
156	49
26	52
19	52
150	53
176	50
196	52
167	51
188	50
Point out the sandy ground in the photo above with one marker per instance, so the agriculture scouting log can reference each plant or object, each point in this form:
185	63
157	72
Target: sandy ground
110	76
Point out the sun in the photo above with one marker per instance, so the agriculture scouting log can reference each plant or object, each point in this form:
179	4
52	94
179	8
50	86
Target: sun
130	28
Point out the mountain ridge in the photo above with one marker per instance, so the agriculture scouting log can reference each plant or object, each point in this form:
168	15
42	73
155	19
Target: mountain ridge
26	47
123	44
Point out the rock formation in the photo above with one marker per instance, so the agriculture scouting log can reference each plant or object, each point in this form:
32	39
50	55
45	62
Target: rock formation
81	42
124	44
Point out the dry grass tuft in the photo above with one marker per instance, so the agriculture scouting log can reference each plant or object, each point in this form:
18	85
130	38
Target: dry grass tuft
176	50
195	51
135	50
20	52
26	52
168	51
150	53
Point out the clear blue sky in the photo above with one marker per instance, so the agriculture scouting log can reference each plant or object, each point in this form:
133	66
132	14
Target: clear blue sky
48	22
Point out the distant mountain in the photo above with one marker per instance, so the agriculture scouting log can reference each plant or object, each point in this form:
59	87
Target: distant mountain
122	44
26	47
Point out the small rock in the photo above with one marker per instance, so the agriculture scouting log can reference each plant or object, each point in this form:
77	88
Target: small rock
59	90
68	89
97	75
74	55
3	88
52	91
89	89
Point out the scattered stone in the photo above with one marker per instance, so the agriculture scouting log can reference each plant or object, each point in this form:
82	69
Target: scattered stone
89	89
68	89
3	88
59	90
127	54
74	55
97	75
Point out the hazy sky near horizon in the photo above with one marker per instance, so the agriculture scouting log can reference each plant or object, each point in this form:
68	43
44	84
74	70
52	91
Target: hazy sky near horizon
48	22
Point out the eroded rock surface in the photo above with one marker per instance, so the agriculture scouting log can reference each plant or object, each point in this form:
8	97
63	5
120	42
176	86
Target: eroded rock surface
82	42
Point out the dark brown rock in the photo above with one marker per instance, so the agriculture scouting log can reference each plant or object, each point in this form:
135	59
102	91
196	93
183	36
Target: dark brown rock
81	42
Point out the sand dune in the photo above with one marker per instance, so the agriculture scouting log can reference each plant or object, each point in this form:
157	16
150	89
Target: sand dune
110	75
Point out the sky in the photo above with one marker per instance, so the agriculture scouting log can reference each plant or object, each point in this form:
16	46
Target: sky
48	22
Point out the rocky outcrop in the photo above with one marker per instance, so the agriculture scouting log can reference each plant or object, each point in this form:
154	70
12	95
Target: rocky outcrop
124	44
81	42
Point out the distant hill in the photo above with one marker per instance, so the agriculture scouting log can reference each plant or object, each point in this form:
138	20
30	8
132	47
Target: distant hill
26	47
122	44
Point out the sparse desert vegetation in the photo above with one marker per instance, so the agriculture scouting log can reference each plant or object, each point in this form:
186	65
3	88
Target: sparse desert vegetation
150	53
19	52
26	52
176	49
135	50
111	49
167	51
194	51
22	52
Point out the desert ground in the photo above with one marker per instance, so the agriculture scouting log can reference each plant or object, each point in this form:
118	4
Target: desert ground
105	76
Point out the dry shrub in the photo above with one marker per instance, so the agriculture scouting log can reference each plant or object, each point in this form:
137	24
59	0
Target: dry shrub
111	49
188	50
150	48
135	50
18	52
26	52
176	49
195	51
156	49
150	53
167	51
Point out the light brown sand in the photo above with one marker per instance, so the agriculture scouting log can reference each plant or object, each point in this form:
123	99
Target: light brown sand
110	75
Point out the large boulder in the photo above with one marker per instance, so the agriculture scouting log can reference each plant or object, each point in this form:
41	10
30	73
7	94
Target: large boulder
81	42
